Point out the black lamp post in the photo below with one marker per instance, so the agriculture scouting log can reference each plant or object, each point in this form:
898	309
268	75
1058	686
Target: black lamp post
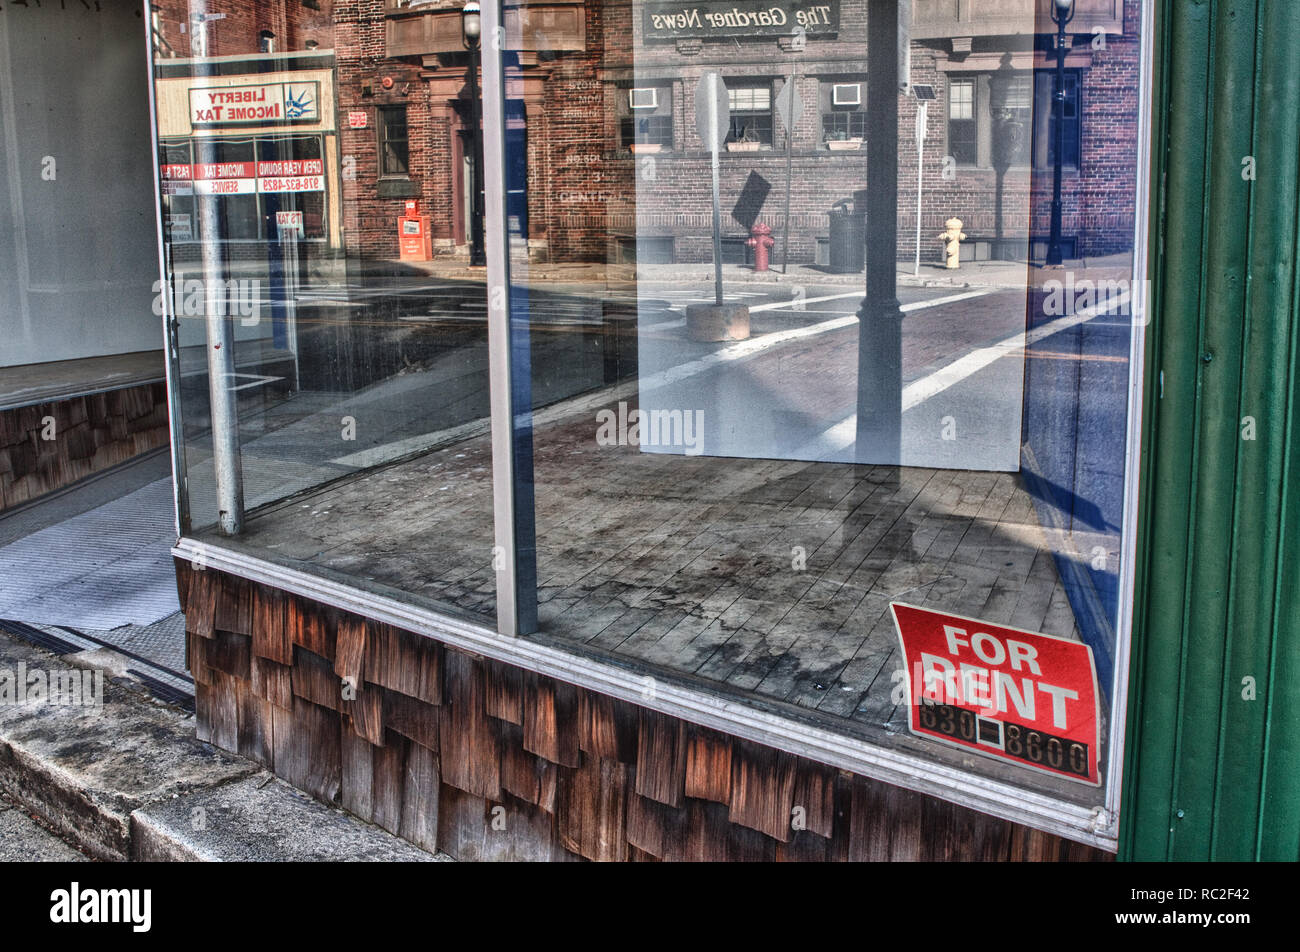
1062	14
471	28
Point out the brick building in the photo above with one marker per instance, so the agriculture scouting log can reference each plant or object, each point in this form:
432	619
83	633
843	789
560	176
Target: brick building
607	161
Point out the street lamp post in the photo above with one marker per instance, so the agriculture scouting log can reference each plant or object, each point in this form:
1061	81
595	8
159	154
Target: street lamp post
1062	14
471	28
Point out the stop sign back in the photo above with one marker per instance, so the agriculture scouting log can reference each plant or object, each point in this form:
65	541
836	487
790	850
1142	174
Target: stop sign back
1015	695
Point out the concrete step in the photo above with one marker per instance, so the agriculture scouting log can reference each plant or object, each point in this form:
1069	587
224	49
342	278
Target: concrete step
24	840
122	776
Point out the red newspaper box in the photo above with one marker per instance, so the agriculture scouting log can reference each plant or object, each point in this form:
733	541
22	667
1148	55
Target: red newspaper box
413	234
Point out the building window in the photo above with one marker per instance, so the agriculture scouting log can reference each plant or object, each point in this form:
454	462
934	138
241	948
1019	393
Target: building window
394	147
843	109
253	179
646	116
1011	104
963	143
751	112
1006	120
1045	143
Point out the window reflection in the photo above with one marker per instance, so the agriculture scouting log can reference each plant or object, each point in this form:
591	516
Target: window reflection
890	402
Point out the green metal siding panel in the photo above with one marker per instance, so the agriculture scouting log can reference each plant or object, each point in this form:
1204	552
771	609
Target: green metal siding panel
1211	774
1180	116
1268	380
1219	393
1277	295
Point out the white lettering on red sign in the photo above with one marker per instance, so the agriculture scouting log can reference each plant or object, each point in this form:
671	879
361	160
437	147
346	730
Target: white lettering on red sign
241	178
1021	696
291	167
219	170
306	183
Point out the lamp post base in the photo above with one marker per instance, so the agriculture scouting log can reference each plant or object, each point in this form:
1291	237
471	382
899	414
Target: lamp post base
714	322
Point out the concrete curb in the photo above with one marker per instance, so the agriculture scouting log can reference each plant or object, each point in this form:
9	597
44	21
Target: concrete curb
260	819
128	780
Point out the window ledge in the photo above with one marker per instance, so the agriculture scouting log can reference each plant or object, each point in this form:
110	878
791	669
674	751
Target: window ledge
398	188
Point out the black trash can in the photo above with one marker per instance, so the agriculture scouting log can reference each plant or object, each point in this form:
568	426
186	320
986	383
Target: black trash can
848	251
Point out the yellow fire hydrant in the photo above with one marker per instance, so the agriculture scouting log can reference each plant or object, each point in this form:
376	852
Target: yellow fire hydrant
952	239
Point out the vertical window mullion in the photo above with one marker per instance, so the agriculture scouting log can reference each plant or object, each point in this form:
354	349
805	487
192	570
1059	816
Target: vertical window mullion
509	365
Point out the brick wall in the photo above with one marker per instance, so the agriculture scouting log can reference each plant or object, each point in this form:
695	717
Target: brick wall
1097	199
294	23
585	190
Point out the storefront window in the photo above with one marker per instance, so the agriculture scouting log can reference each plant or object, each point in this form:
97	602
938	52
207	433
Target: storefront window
877	486
322	330
828	443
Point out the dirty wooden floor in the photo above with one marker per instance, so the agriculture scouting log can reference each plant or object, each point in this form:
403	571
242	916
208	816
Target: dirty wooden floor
772	578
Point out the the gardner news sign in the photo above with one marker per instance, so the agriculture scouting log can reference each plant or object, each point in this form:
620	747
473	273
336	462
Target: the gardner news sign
1015	695
679	19
263	104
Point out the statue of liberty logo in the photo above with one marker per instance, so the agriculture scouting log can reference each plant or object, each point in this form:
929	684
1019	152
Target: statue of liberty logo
297	107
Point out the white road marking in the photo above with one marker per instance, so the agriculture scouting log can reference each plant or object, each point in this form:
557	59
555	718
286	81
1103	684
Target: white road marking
840	436
795	302
906	308
741	350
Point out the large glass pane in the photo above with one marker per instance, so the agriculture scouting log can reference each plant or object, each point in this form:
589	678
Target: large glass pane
331	334
854	452
77	254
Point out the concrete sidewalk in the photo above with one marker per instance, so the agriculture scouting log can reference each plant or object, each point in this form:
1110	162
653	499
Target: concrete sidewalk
972	274
122	777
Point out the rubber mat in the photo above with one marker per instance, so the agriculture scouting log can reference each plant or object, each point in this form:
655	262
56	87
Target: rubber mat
100	570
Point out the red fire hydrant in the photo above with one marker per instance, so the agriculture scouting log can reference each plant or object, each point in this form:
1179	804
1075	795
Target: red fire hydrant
761	241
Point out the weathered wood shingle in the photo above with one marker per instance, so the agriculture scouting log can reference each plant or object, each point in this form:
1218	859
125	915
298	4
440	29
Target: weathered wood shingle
661	758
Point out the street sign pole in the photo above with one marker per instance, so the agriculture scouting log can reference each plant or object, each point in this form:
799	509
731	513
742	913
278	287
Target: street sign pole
717	202
789	115
922	114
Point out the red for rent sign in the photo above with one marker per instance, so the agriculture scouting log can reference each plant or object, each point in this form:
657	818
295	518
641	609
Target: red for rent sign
1015	695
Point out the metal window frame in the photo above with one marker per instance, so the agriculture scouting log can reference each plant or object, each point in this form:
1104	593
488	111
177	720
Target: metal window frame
516	576
382	138
515	552
1143	229
967	82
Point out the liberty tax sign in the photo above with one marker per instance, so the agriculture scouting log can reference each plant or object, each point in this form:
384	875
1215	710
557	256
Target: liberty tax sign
1015	695
263	104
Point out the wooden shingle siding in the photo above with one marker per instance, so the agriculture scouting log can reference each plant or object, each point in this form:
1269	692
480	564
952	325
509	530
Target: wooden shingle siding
270	630
483	761
91	433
